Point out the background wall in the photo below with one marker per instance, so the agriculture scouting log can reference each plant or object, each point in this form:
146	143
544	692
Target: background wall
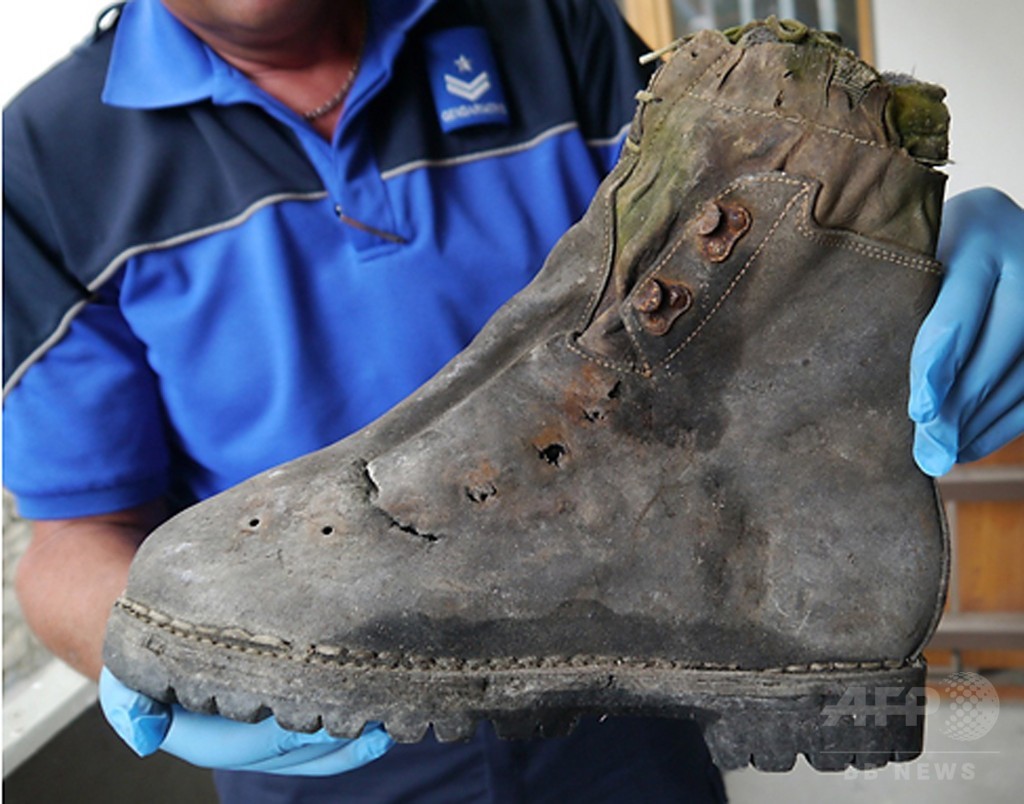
35	35
976	52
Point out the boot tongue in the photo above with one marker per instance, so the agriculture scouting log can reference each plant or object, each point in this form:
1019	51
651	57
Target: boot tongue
772	96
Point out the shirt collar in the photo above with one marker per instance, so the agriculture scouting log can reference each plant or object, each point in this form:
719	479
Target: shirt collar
157	62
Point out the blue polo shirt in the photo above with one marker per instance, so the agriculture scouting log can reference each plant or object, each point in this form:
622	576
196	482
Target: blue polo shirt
198	286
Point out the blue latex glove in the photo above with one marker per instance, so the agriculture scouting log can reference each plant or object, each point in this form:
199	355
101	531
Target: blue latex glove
211	741
967	366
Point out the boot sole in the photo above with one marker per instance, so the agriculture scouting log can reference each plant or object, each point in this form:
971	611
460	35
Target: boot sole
860	714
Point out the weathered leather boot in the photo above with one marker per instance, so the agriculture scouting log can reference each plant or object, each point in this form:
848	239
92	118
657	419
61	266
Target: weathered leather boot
673	476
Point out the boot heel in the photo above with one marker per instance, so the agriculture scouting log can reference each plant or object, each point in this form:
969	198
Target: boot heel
835	719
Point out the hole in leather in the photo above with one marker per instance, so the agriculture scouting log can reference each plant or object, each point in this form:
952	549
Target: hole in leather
481	493
553	453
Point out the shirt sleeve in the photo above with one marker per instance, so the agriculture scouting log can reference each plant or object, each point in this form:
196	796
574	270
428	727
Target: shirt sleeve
606	72
83	429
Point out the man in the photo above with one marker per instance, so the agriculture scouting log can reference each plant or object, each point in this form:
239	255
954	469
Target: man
278	222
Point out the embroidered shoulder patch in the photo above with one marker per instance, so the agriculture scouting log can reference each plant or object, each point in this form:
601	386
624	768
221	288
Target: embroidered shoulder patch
464	79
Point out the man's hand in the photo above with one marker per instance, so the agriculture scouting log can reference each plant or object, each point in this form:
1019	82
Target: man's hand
211	741
967	366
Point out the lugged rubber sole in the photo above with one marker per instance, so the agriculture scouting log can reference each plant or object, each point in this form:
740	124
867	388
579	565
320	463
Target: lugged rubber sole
838	715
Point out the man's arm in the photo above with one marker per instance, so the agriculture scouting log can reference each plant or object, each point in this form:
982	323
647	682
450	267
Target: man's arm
71	574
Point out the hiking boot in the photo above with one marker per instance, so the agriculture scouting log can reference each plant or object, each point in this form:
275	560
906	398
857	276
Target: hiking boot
672	477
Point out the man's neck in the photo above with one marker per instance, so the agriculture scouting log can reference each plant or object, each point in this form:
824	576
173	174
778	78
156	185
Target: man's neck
303	64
